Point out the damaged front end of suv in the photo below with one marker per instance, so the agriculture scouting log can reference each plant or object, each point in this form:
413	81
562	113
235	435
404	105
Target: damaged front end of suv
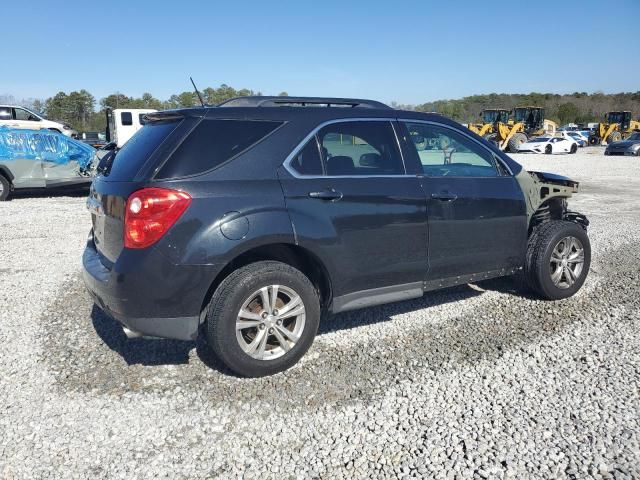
546	197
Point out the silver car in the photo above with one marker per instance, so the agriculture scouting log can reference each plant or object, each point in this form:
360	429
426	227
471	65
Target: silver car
629	146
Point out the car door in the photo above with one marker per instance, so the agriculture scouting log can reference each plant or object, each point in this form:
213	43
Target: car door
476	210
352	204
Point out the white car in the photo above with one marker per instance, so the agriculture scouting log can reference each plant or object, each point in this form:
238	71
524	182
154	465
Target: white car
20	117
580	139
549	145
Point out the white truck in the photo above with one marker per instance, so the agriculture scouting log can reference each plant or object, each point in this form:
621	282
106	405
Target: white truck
122	123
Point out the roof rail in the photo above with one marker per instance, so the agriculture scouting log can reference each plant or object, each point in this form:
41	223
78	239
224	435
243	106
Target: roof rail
264	101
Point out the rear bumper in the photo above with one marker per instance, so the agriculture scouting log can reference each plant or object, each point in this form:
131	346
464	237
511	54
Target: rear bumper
147	294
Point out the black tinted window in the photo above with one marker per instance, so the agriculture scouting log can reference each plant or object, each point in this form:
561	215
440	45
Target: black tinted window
137	150
360	148
212	143
126	118
307	161
142	118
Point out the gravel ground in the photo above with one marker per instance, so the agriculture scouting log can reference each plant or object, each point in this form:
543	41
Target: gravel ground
472	382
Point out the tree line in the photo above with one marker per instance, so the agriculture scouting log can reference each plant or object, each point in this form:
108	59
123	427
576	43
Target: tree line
81	110
577	107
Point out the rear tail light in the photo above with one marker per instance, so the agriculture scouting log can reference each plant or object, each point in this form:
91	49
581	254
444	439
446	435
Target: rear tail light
150	213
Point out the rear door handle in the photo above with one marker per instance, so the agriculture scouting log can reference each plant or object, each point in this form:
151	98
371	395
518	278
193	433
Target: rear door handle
444	196
328	194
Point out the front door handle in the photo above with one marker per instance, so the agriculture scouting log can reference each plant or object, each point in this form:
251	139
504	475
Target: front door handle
328	194
444	196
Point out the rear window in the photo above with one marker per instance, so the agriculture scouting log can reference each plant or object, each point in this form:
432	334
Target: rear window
212	143
137	150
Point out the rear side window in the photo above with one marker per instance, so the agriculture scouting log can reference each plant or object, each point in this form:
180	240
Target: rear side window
360	148
126	118
212	143
5	113
137	150
307	161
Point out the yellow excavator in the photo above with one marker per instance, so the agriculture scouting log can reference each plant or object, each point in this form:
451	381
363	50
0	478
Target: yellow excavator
523	124
491	117
619	125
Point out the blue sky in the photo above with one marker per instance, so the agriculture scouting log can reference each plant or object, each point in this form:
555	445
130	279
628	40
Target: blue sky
407	51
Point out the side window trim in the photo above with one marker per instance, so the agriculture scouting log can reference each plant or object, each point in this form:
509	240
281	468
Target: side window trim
314	133
495	158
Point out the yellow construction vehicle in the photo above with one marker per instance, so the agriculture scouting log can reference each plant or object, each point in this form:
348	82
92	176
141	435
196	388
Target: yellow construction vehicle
491	117
527	122
619	125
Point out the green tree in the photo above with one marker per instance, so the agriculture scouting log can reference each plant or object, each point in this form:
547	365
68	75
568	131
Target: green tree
567	113
115	100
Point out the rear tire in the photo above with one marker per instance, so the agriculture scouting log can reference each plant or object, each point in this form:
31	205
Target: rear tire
574	148
5	188
515	141
545	271
242	328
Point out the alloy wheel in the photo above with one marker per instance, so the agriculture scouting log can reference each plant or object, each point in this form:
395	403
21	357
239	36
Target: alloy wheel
567	262
270	322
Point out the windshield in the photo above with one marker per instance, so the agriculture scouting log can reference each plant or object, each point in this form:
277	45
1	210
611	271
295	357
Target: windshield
615	117
539	140
493	116
634	136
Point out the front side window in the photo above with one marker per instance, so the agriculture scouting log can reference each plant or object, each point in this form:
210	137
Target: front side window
22	114
360	148
126	118
444	152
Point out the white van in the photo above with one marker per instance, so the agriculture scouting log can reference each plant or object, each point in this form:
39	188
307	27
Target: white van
122	123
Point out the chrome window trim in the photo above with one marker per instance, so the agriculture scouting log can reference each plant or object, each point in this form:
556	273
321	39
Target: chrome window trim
287	161
475	140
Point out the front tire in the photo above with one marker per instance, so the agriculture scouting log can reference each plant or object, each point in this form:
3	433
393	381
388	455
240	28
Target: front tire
558	259
515	142
548	149
5	188
263	318
614	137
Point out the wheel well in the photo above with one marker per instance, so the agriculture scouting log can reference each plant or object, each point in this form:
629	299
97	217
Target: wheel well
6	173
292	255
551	209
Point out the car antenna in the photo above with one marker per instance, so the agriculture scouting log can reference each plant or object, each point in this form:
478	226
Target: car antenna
197	91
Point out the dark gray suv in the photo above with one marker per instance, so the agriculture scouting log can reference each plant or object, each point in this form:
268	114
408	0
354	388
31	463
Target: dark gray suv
247	221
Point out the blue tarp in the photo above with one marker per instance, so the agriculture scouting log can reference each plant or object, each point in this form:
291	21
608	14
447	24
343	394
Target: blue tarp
47	145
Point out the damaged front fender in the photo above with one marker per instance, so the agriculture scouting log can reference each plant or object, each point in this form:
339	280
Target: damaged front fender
546	196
